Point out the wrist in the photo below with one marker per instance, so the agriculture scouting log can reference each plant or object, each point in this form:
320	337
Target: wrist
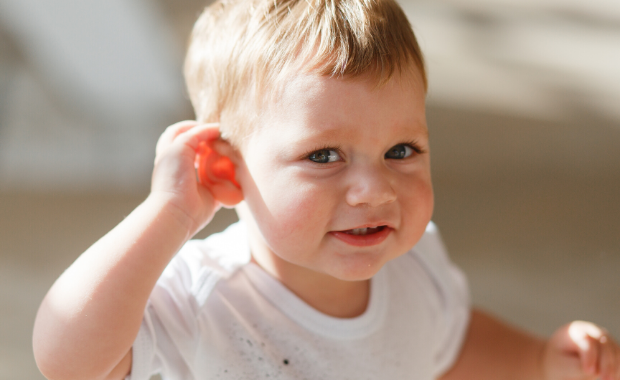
167	208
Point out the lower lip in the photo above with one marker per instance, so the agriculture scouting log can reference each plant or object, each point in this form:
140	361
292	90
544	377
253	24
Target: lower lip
363	240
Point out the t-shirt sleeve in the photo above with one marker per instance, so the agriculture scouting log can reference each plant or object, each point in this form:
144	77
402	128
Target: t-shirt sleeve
454	302
168	336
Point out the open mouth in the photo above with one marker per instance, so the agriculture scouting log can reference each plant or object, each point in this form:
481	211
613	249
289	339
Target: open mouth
364	231
363	237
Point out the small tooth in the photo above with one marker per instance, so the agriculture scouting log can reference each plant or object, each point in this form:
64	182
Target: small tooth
359	231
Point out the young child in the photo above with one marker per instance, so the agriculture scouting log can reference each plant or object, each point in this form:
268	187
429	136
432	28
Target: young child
335	270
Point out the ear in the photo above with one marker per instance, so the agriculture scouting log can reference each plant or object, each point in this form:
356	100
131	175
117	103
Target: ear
217	172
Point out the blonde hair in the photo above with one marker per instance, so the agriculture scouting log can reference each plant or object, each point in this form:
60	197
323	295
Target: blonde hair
240	47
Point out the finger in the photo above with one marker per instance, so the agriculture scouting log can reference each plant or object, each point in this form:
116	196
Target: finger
618	366
591	356
193	136
616	355
585	336
174	131
184	137
608	358
617	349
604	360
226	193
171	133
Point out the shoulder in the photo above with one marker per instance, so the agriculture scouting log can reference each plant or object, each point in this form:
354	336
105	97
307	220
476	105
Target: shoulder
443	279
430	250
201	264
433	275
224	252
171	328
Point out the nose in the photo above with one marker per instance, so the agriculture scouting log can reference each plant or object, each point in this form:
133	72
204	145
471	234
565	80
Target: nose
372	186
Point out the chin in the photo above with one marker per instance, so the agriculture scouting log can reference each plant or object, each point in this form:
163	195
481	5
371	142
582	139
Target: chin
356	277
358	270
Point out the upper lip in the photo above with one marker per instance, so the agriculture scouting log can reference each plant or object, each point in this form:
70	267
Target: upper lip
367	225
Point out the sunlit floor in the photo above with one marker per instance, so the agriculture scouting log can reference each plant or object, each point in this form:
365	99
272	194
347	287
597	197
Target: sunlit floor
540	248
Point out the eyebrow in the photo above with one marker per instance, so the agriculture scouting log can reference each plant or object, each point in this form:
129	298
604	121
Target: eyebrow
335	131
334	137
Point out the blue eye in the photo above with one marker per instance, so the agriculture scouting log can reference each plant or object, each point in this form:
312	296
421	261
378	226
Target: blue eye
399	152
324	156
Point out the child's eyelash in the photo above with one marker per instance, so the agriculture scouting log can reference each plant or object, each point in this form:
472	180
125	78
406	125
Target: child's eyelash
323	147
415	146
412	143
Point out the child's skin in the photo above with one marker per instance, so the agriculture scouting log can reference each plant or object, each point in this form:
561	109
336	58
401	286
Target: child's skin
375	140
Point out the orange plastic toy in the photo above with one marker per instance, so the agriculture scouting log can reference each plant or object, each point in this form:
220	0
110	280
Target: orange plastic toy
208	160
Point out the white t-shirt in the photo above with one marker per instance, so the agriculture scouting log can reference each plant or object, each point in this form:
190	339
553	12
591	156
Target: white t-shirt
215	315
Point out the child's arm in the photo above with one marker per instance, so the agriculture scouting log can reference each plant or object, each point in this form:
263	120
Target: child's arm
493	350
89	319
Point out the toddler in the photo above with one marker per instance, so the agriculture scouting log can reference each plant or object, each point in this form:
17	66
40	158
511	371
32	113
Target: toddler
335	270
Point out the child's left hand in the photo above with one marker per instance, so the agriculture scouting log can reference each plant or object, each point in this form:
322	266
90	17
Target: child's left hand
581	350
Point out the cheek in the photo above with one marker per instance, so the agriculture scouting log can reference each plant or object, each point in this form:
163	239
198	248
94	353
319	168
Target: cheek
418	203
291	210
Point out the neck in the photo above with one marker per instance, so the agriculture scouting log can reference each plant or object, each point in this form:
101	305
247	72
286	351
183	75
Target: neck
327	294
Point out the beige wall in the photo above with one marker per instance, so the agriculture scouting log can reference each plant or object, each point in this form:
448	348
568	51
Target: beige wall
524	123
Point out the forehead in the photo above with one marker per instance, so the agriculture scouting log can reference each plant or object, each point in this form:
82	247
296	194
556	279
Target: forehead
309	105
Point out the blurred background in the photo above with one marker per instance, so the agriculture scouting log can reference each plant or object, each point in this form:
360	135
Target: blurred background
524	115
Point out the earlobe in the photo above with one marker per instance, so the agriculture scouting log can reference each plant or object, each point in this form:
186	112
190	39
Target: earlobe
217	173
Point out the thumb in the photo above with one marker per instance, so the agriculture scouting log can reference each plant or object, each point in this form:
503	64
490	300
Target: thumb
216	172
586	338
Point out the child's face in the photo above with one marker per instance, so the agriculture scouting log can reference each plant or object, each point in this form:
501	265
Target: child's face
332	155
